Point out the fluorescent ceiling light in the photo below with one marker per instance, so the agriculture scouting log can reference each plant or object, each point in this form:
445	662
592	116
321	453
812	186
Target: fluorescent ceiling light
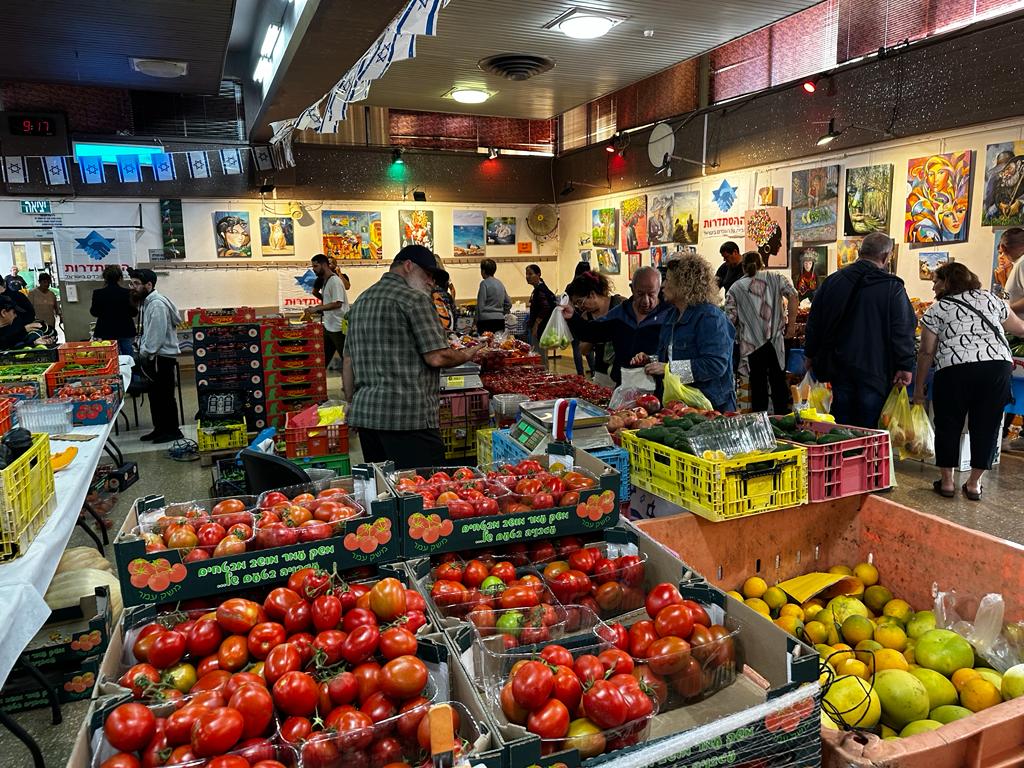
469	95
585	24
270	40
263	70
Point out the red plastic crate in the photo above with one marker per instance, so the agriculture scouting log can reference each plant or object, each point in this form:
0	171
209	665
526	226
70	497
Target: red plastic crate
849	467
314	441
58	374
88	352
314	389
224	316
293	362
241	333
468	406
6	412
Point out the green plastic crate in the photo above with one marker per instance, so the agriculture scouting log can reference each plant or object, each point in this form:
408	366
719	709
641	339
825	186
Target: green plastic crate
339	462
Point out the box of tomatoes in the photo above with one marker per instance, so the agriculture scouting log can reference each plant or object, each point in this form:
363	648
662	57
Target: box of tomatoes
201	548
445	509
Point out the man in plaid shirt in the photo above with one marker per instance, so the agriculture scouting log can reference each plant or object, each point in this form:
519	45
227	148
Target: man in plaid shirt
393	351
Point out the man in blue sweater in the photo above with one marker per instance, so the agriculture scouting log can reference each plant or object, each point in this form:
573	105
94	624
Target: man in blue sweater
632	327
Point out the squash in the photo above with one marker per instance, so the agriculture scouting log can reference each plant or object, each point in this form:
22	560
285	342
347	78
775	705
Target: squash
83	557
63	458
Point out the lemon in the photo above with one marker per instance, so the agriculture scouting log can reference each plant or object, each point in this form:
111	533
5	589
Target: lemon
735	595
866	650
899	610
867	573
775	598
876	596
811	609
758	605
852	700
840	653
790	624
791	609
857	628
854	667
755	586
919	726
962	676
815	632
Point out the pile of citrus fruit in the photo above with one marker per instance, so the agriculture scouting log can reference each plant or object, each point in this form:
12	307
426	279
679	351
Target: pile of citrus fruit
885	667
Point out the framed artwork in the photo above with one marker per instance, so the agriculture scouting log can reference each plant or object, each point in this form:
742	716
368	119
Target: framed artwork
765	232
634	263
659	256
501	230
685	217
815	204
929	261
659	219
232	235
722	206
416	227
350	235
468	237
172	226
938	195
604	231
868	200
810	266
1003	201
608	261
277	236
848	251
634	223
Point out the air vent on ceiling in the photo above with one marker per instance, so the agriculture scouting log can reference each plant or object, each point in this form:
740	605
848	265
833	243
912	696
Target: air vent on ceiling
516	66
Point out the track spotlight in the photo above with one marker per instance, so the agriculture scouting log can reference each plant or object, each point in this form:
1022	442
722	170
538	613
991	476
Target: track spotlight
396	156
617	143
831	135
492	153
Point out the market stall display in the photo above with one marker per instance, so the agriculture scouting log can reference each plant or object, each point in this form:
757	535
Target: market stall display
537	384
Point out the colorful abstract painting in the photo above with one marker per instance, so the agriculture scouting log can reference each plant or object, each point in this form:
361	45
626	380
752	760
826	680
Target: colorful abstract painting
685	218
868	200
1003	201
815	204
501	230
659	219
765	232
232	235
416	227
604	231
848	251
608	261
634	223
938	192
810	266
468	237
352	235
277	236
929	261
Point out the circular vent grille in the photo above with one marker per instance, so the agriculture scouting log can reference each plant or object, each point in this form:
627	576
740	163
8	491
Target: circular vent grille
516	66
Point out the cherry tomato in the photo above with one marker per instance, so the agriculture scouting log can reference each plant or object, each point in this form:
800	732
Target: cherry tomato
358	617
550	721
256	706
330	643
130	727
367	676
233	653
295	729
296	693
403	677
298	618
242	678
410	715
343	688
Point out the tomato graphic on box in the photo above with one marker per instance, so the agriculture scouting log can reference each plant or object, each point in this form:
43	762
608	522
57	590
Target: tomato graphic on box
156	575
369	536
429	528
596	506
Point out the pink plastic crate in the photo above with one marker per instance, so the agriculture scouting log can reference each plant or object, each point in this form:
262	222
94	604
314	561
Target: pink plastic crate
859	465
468	406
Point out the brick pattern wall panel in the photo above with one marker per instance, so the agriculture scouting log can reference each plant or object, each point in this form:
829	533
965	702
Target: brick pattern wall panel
741	66
802	44
89	109
668	93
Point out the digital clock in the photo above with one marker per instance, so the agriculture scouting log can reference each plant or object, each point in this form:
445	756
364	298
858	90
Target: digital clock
31	125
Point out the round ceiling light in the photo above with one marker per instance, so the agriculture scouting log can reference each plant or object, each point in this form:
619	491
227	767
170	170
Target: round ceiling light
582	26
470	95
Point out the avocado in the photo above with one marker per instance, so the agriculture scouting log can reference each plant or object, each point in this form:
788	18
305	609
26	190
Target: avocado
804	436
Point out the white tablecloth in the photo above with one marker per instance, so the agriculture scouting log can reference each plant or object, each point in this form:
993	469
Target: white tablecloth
24	581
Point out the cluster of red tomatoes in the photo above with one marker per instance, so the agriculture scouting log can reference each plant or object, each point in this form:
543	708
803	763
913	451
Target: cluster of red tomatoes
608	586
464	492
283	521
460	588
592	702
82	391
325	668
534	487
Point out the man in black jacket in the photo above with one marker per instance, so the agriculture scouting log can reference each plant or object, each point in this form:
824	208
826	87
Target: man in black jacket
542	301
860	334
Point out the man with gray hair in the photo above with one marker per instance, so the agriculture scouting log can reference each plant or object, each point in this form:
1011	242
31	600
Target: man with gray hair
633	327
860	334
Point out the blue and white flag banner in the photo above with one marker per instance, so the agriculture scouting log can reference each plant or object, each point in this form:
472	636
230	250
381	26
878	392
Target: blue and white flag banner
82	252
55	170
163	166
262	157
14	169
129	171
231	161
198	165
91	169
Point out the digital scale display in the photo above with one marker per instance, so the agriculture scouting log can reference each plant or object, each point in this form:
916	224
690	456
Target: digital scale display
534	426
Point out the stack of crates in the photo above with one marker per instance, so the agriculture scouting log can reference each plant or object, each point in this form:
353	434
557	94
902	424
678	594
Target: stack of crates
229	367
462	414
293	363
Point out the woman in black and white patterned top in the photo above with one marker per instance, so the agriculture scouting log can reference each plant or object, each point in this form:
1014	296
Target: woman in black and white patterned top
962	332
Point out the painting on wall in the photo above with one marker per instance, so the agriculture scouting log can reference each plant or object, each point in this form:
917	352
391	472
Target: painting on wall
349	235
416	227
232	235
659	255
765	232
815	204
608	261
634	264
810	266
659	219
847	251
277	236
501	230
685	217
938	194
868	199
634	223
1003	201
468	233
929	261
603	227
172	227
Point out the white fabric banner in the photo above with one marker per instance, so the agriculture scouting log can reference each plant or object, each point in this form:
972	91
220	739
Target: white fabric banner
295	289
82	253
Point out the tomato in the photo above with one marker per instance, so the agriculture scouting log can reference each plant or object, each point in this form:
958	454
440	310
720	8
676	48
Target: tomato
238	615
216	731
688	681
297	580
409	717
520	597
303	643
449	571
387	599
358	617
130	727
532	684
295	729
330	644
550	721
638	703
278	601
144	641
243	678
121	760
139	679
181	677
661	595
268	764
281	659
386	752
230	545
203	637
343	688
397	641
588	668
700	616
674	620
215	680
630	569
505	571
298	618
604	705
485	506
725	648
210	534
368	678
182	537
232	505
276	535
542	551
474	573
616	661
263	638
583	735
609	597
360	644
668	655
414	620
576	481
233	653
355	731
296	693
616	634
584	559
228	761
379	707
256	705
641	635
403	677
556	655
460	510
182	755
567	687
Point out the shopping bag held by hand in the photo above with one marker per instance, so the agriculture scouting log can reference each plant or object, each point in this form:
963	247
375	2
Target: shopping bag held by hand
556	333
676	390
896	416
920	435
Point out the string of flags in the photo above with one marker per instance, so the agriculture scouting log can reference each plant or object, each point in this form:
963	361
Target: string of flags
166	166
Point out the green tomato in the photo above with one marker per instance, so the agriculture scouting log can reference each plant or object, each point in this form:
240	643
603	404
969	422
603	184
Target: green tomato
492	585
509	623
181	676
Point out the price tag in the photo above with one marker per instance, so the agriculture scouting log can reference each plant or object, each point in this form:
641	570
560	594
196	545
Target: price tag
456	381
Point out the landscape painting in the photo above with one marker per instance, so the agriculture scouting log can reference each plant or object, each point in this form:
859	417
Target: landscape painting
603	230
468	237
685	217
815	204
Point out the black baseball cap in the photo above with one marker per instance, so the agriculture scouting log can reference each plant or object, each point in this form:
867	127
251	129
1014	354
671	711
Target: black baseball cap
420	256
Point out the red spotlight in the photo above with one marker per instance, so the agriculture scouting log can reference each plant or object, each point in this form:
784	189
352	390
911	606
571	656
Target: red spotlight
810	86
609	148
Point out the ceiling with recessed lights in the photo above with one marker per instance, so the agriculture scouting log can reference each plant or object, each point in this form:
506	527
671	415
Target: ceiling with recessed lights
585	69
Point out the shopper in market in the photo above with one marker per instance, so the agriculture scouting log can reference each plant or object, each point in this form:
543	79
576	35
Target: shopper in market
1011	247
962	333
542	302
44	301
26	311
333	308
754	305
14	333
731	268
395	348
577	354
443	301
14	281
492	301
158	353
861	334
114	310
591	295
697	338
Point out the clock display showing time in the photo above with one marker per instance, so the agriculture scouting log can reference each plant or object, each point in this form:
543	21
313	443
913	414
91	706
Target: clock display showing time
31	125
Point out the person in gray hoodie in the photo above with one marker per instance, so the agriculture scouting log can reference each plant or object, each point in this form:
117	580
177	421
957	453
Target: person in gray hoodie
492	301
158	350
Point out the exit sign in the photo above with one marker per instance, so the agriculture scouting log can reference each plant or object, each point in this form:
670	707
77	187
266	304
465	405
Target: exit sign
35	207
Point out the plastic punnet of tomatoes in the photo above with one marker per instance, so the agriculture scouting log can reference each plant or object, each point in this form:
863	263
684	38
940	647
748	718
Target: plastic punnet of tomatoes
587	697
347	740
608	578
198	508
534	486
303	514
227	528
503	587
464	491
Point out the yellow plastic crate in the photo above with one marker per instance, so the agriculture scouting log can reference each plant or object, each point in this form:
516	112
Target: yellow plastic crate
26	498
485	446
221	437
719	489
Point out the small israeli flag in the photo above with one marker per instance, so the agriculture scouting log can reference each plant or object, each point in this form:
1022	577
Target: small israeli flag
163	166
264	161
91	169
128	169
231	161
14	170
55	169
198	165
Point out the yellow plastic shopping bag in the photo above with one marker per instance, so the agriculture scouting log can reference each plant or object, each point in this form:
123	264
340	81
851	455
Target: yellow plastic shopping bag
896	416
920	435
675	390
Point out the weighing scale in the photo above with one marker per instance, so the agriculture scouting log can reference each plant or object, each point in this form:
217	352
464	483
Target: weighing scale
533	430
465	376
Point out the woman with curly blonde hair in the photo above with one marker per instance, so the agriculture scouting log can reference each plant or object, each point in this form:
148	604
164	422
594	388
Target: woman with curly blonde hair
697	338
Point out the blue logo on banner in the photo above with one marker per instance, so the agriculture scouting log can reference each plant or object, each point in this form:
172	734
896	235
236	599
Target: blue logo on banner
306	280
724	196
95	245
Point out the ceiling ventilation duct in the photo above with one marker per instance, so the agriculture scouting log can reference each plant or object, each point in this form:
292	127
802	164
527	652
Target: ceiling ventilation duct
516	66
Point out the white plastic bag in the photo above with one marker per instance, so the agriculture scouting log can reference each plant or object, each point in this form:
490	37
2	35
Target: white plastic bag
623	397
556	333
997	646
637	378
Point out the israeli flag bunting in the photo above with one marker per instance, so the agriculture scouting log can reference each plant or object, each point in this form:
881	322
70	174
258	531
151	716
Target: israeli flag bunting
198	165
91	169
14	170
129	171
55	170
264	161
163	166
231	161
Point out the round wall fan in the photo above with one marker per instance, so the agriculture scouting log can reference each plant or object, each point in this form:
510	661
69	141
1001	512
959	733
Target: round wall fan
542	221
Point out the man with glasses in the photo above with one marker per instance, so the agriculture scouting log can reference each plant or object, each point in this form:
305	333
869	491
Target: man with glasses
158	349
